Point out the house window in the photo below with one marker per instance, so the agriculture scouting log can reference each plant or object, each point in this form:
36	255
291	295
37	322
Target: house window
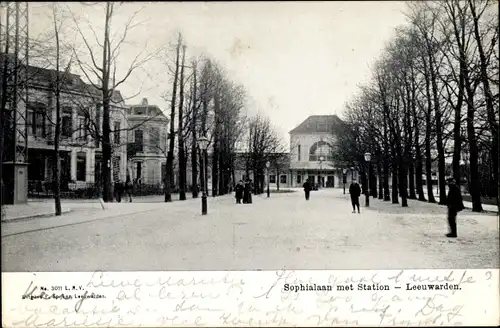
283	179
154	139
139	142
318	150
29	122
163	141
299	178
117	133
298	153
36	121
81	166
272	178
82	126
139	171
67	124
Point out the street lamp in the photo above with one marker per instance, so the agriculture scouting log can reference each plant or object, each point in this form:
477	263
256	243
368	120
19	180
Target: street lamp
321	159
268	164
203	144
368	158
344	178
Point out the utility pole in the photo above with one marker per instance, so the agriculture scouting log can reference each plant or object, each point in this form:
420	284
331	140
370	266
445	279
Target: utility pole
14	45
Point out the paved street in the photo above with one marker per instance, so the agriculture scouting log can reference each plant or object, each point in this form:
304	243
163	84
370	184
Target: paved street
284	231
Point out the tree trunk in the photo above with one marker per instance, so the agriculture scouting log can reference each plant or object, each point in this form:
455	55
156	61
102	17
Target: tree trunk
180	134
380	181
410	175
373	181
475	191
169	179
215	171
277	179
457	137
428	135
489	98
106	130
395	199
411	180
222	172
194	140
418	159
56	178
387	196
439	130
403	188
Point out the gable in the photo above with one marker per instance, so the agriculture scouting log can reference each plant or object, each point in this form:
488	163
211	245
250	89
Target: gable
317	124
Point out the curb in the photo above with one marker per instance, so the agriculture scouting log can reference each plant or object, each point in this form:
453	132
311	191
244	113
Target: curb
36	216
468	209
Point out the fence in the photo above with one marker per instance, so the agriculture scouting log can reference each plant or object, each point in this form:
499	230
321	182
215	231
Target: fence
90	190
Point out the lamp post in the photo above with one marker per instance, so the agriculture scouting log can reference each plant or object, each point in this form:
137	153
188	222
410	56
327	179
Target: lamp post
321	159
203	144
368	157
344	178
268	164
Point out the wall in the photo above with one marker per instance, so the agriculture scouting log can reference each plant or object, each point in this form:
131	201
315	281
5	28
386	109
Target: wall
153	156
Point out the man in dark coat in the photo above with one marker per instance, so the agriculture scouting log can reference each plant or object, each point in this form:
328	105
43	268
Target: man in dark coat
239	191
355	191
307	188
246	191
128	188
455	205
250	186
118	191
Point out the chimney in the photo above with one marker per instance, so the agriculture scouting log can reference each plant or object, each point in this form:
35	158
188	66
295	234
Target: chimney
144	101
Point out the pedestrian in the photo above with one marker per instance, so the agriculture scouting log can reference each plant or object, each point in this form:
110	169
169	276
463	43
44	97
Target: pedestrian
307	188
250	186
239	191
246	190
118	191
128	189
455	205
355	192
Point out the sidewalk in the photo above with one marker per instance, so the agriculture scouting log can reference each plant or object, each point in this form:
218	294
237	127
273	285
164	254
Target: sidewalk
38	208
31	210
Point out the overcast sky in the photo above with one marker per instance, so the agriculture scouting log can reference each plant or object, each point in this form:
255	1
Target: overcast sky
294	59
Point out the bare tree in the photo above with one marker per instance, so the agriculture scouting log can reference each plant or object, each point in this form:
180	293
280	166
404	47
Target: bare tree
194	108
263	144
180	138
103	77
169	179
486	42
57	86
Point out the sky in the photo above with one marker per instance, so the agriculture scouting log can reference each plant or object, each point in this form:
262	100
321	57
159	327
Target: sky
294	59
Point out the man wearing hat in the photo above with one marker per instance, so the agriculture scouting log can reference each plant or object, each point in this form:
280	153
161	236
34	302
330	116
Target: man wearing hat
455	205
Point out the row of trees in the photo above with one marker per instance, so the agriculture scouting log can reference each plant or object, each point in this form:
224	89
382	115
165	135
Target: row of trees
433	96
203	101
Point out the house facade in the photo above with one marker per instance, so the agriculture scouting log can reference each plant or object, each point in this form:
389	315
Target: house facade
147	143
81	119
311	145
